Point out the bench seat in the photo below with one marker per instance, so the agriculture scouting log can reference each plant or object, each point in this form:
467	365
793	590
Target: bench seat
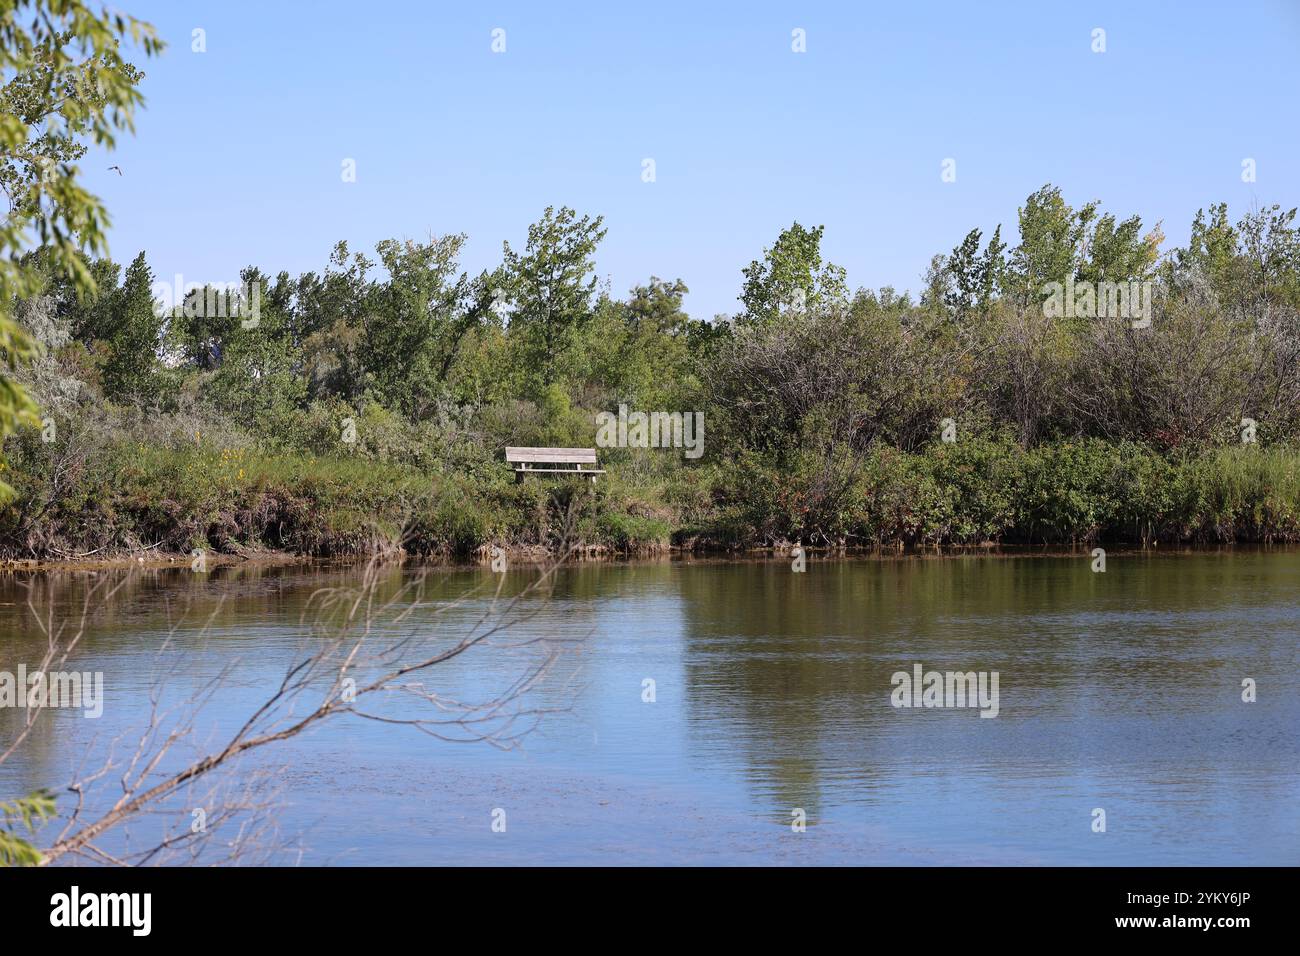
555	461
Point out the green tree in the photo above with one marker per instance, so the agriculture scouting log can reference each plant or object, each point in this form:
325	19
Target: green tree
199	328
1270	250
66	84
1058	243
90	315
338	294
1118	251
549	288
327	322
975	278
1051	237
416	321
1211	252
657	306
134	336
963	270
260	370
791	276
637	351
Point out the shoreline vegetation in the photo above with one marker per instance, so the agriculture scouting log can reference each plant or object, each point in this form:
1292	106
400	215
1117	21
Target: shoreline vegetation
952	498
365	409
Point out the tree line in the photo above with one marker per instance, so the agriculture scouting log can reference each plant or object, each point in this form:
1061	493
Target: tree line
807	388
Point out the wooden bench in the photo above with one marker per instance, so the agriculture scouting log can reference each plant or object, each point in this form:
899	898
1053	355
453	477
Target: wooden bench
555	461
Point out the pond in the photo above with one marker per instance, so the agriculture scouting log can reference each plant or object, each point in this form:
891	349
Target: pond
730	712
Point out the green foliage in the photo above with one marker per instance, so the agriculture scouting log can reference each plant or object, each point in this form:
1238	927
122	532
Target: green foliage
1058	242
626	532
133	336
369	405
29	813
416	321
65	84
975	278
548	287
791	276
1212	249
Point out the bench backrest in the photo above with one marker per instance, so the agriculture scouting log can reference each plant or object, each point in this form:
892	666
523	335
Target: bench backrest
559	456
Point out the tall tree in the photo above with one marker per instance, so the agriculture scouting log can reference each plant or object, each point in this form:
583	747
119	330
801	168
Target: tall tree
791	276
1119	251
1051	237
549	288
327	322
134	338
1060	243
416	320
639	349
974	278
1211	252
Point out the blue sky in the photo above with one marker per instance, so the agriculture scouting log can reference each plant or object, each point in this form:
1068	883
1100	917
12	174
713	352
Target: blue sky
238	154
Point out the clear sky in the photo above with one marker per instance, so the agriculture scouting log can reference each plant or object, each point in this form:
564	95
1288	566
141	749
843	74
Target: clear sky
239	150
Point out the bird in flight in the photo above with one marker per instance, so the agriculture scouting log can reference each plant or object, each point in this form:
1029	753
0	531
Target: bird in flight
118	168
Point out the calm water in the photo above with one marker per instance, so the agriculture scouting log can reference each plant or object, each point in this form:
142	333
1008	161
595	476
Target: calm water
1120	691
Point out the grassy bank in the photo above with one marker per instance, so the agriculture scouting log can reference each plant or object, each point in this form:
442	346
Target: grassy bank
123	498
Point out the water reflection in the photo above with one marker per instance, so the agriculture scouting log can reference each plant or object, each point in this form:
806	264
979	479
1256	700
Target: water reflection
1120	690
